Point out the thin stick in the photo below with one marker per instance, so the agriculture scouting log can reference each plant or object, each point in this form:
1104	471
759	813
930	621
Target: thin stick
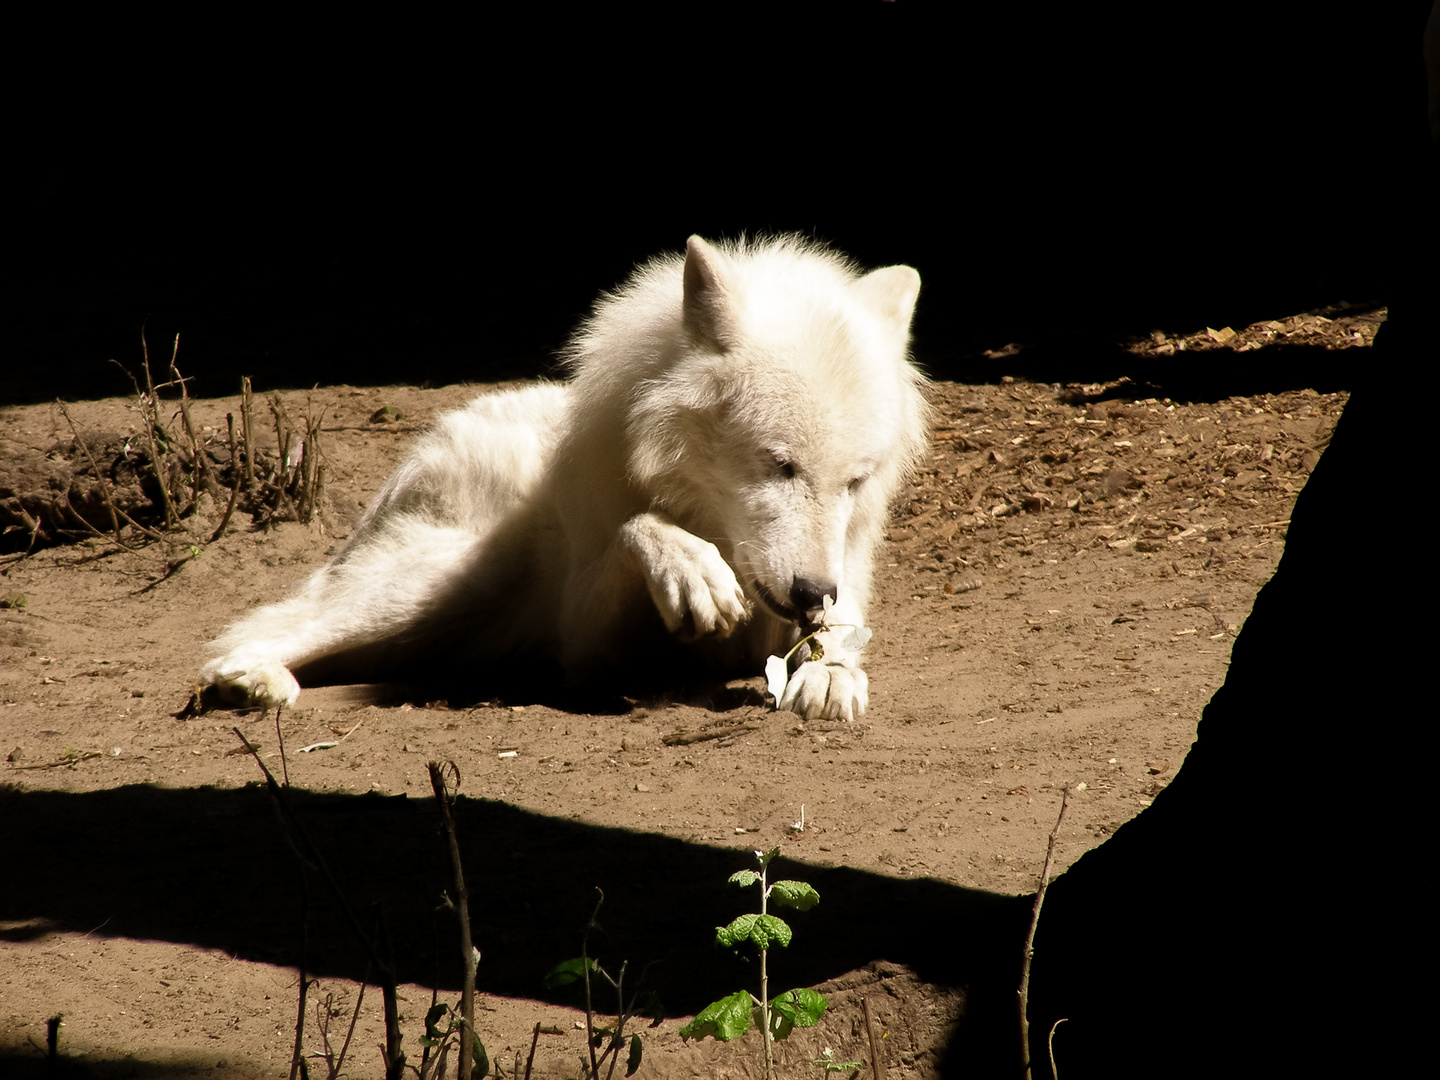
322	1024
765	981
394	1055
282	435
34	526
877	1063
1023	994
305	848
297	1055
58	763
283	503
617	1041
196	450
534	1038
312	469
585	967
91	529
245	423
467	950
1054	1072
104	489
284	768
685	738
151	415
235	483
351	731
355	1016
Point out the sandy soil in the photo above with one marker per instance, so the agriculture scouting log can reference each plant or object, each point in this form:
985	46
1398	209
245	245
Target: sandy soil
1057	600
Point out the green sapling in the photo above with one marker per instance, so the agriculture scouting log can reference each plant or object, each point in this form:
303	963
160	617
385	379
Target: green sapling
730	1017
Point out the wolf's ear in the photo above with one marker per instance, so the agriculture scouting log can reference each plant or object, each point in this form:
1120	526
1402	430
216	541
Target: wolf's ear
890	292
712	304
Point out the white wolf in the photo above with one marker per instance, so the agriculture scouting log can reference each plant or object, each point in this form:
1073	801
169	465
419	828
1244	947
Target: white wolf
721	462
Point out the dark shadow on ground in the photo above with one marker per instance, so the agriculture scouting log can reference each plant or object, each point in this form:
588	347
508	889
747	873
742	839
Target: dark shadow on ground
672	676
213	868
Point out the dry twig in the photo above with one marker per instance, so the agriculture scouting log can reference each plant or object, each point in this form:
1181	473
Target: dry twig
234	479
115	512
443	798
877	1062
1023	994
393	1055
198	460
685	738
151	415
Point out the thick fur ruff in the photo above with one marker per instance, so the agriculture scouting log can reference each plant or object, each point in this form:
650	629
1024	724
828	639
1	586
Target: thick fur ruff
721	462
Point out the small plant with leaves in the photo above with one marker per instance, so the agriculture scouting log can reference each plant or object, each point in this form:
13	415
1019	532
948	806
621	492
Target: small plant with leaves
828	1061
731	1017
444	1027
602	1062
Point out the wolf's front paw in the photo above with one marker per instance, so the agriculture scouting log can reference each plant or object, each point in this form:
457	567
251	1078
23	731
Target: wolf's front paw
268	685
819	690
698	594
691	585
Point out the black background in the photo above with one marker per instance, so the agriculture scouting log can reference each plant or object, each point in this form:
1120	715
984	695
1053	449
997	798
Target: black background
372	201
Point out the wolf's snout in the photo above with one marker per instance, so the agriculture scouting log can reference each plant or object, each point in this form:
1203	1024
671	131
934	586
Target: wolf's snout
808	595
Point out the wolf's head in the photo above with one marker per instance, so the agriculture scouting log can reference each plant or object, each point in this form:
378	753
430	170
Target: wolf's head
784	419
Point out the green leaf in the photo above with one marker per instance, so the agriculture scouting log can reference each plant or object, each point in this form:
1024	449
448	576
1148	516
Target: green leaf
763	930
743	878
432	1024
479	1060
797	894
600	1035
726	1019
766	856
633	1061
728	937
780	1026
570	971
796	1008
770	930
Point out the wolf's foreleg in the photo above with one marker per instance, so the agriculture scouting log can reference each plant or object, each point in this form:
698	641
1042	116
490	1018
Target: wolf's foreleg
692	586
375	591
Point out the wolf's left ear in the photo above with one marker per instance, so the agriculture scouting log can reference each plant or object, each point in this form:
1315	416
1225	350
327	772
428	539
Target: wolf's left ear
712	303
890	292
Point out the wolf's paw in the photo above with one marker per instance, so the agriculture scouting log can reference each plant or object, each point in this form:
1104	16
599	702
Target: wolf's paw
691	585
819	690
268	685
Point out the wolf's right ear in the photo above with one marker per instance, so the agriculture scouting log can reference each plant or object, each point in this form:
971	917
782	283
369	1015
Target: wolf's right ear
891	292
712	304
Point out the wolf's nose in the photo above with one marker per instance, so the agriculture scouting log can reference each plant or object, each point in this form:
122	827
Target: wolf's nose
808	595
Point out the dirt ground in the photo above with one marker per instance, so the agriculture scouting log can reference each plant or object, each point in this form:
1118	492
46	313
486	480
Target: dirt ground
1056	603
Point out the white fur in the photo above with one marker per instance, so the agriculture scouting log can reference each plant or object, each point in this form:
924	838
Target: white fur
738	419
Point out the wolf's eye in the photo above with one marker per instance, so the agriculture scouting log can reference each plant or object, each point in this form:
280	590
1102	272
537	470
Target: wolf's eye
783	465
856	484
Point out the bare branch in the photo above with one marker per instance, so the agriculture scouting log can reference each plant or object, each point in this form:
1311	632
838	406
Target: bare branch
1023	994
